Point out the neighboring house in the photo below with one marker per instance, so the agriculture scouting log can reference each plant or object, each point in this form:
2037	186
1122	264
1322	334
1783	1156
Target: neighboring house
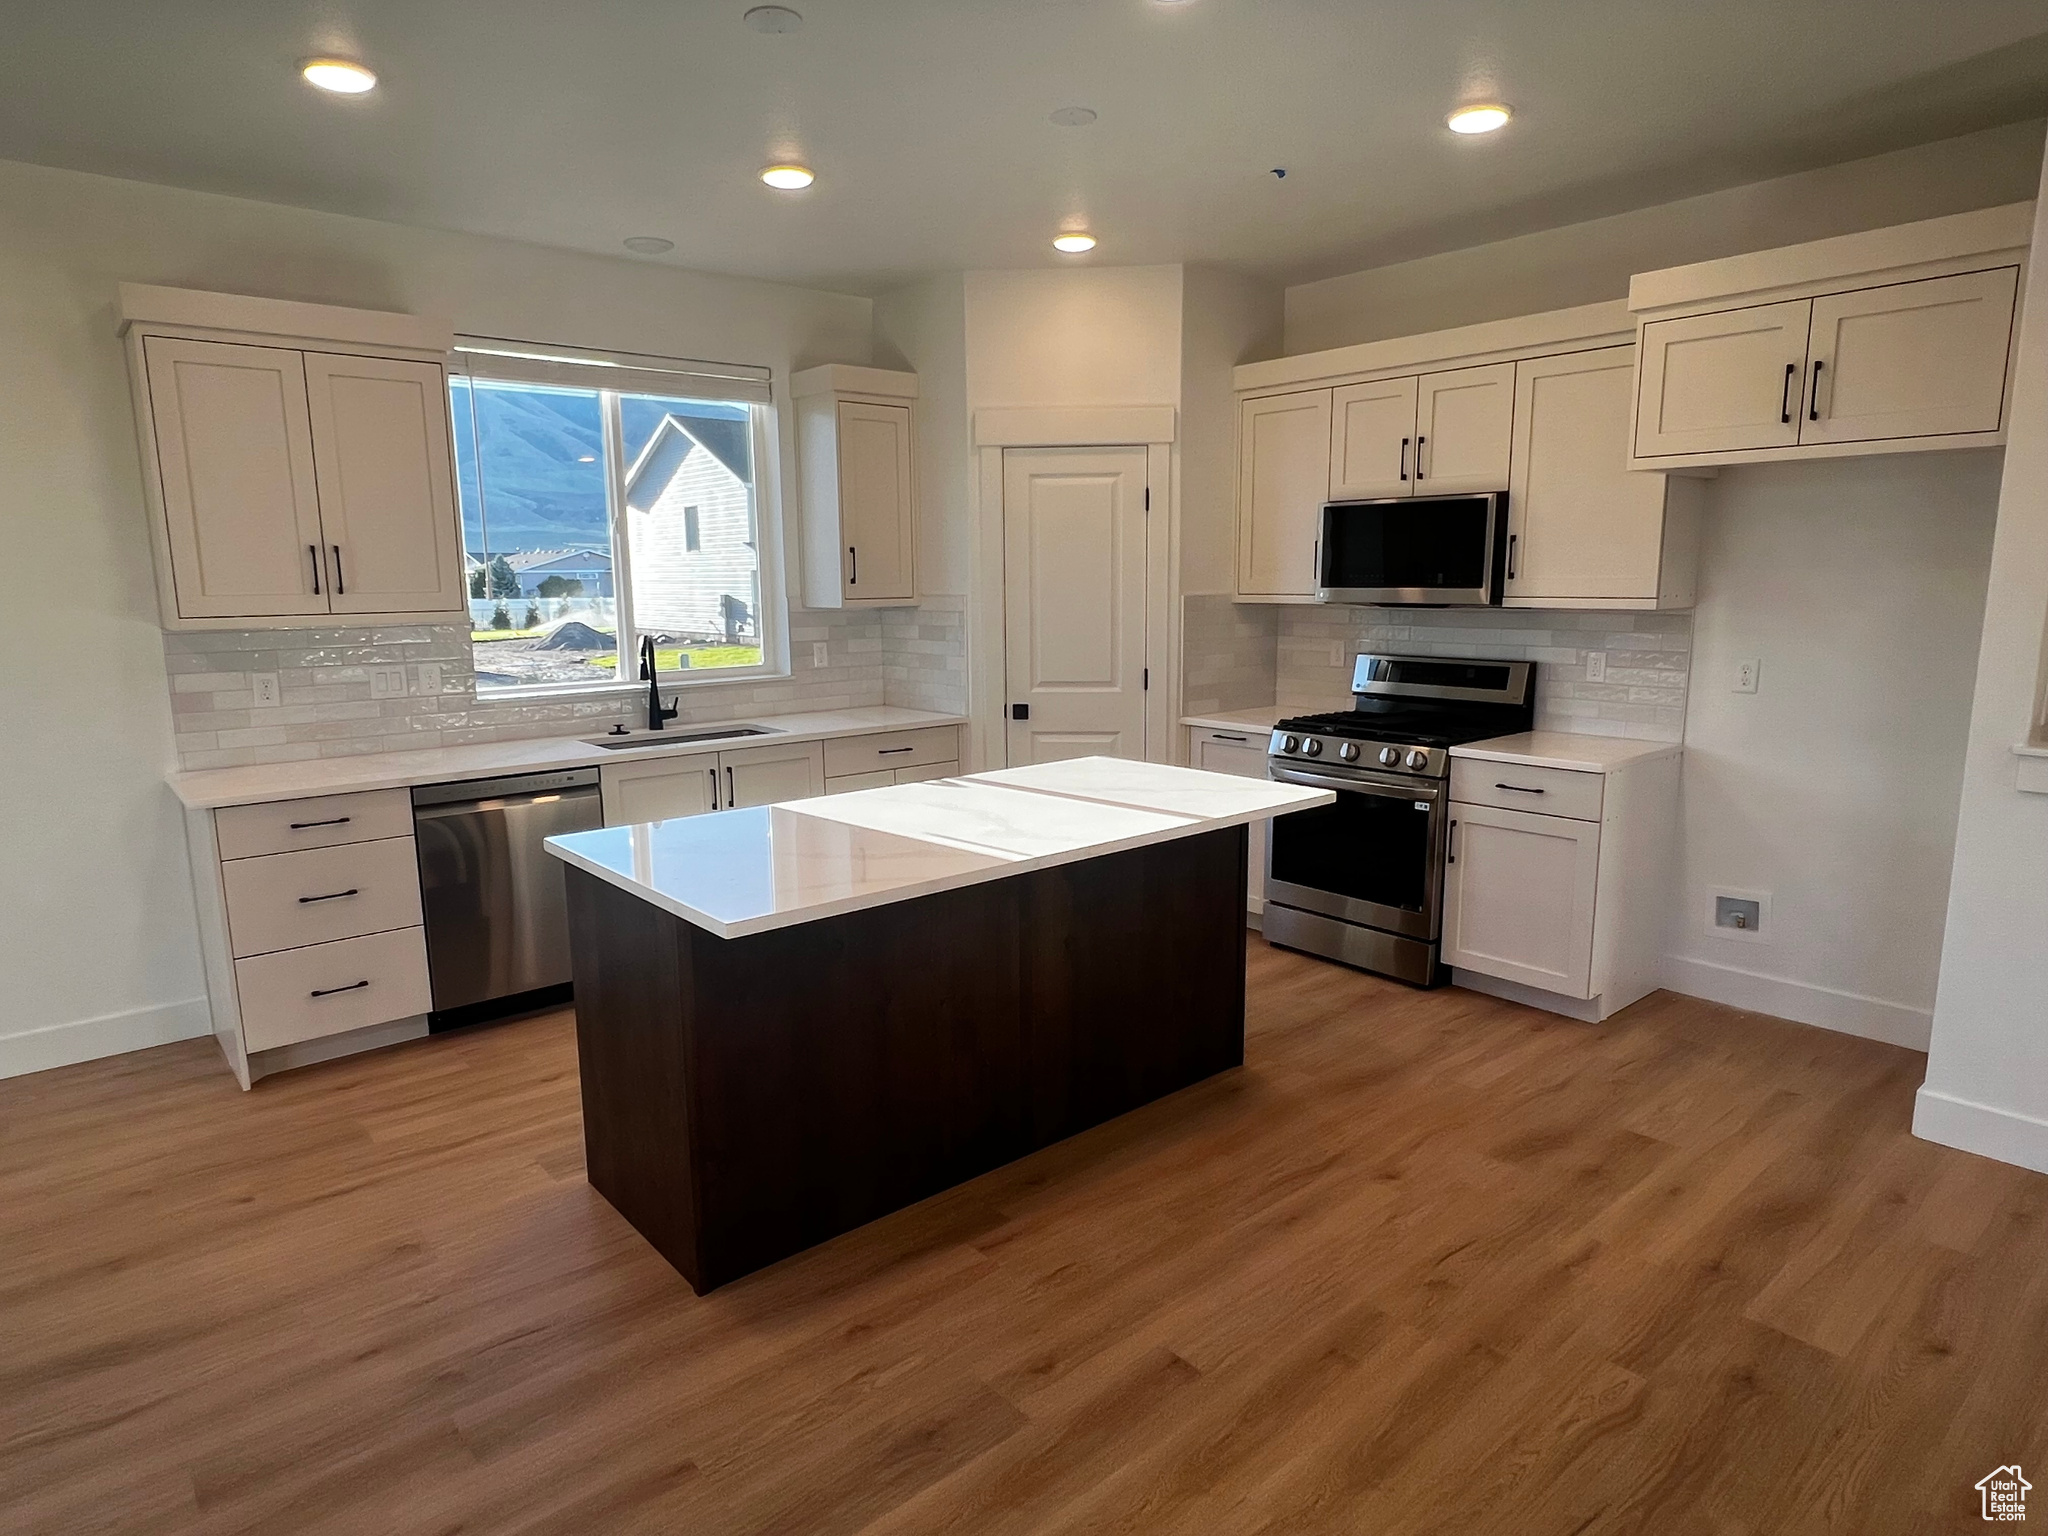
689	514
592	567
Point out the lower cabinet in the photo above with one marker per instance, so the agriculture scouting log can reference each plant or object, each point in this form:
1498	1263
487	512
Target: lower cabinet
1244	754
1564	903
691	783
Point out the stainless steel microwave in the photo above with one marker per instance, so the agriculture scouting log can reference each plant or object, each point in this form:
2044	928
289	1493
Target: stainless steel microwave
1424	551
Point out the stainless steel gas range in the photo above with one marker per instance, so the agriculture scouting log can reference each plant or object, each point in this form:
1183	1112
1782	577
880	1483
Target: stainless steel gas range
1362	880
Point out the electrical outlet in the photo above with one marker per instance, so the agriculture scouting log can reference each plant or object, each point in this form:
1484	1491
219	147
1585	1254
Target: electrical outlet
387	682
430	677
1596	666
821	655
264	686
1746	675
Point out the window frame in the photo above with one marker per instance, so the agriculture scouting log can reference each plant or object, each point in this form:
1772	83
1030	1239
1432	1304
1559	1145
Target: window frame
611	375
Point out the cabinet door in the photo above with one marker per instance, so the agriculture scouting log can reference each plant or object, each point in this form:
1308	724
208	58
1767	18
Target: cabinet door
1518	897
1584	524
875	502
1283	479
1464	423
235	455
770	775
1720	382
660	789
1910	359
387	495
1244	755
1372	440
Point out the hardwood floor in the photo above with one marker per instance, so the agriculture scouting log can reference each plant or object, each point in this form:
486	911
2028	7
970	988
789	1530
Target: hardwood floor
1430	1262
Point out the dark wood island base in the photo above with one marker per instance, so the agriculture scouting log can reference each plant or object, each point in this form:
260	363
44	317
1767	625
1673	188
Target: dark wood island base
747	1098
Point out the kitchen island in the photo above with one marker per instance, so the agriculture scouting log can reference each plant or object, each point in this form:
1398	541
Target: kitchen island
792	1019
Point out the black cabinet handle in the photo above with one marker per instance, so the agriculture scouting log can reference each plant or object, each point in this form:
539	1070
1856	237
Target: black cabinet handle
1451	846
330	896
1419	441
731	799
354	986
887	751
1785	394
1404	458
1225	736
1511	555
332	821
1813	405
854	555
314	551
1522	789
340	588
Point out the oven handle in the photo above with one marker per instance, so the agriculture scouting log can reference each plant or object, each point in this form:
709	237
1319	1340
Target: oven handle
1357	786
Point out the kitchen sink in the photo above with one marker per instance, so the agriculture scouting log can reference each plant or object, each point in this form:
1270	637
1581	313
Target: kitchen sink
636	740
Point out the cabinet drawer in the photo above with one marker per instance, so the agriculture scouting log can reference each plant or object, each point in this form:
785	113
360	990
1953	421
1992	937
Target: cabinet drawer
891	749
286	900
328	989
249	831
847	783
1550	791
924	771
1239	752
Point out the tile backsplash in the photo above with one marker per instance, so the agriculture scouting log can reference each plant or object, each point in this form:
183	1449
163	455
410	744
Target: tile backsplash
1229	653
1647	658
325	708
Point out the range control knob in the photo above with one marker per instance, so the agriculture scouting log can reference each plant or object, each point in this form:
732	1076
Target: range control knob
1289	744
1418	760
1348	751
1389	756
1312	747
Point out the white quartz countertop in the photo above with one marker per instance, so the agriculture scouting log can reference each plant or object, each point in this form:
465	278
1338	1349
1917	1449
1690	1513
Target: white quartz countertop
1566	749
209	788
735	873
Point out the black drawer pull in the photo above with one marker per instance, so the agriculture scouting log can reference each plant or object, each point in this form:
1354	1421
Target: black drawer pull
887	751
354	986
330	896
1522	789
1225	736
336	821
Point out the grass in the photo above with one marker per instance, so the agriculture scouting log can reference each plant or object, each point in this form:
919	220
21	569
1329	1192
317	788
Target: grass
506	634
700	656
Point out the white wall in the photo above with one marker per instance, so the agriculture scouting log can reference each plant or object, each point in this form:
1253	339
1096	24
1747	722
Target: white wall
1586	263
97	949
1079	335
1987	1070
1226	319
1859	584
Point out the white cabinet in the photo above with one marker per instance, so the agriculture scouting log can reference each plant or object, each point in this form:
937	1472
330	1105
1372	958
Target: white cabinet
691	783
1283	479
1244	754
1713	383
1372	440
1916	359
856	446
1463	422
1585	531
1556	878
296	460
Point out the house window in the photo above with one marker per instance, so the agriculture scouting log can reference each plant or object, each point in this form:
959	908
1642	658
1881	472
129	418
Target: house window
606	500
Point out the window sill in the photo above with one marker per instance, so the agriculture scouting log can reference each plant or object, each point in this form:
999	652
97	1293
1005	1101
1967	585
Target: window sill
569	693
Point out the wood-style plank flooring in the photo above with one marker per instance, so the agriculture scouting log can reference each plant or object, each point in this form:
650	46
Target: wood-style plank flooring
1431	1262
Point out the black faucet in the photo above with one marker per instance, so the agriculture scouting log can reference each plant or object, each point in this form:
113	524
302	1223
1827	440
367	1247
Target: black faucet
656	715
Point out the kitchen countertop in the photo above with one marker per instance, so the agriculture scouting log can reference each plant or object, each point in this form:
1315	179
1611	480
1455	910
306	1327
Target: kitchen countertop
1566	749
735	873
210	788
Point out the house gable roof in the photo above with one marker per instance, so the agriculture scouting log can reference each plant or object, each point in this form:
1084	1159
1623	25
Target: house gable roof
671	443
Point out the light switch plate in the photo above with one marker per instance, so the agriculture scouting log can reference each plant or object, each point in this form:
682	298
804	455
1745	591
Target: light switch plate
821	655
387	682
430	677
1746	675
264	686
1596	666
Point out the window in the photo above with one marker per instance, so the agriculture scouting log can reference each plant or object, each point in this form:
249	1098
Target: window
607	499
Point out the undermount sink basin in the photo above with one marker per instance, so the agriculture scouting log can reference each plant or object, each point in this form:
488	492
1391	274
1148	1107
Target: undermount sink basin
642	739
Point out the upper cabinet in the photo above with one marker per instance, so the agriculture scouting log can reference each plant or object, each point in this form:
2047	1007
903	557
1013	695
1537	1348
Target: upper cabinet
1283	479
857	448
296	461
1891	341
1424	435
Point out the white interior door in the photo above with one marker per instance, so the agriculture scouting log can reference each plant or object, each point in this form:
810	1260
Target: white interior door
235	455
1074	529
1518	897
1283	479
1464	422
1725	381
1372	439
387	490
875	484
1910	359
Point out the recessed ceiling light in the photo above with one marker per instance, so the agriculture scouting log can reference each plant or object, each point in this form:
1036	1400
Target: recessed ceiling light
773	18
648	245
345	77
1073	242
788	178
1073	117
1482	118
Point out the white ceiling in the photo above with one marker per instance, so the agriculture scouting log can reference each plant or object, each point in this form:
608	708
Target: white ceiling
580	124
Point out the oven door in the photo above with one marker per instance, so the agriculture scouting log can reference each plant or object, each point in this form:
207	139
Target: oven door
1374	857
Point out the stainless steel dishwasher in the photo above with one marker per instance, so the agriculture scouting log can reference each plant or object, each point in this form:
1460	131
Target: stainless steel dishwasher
496	915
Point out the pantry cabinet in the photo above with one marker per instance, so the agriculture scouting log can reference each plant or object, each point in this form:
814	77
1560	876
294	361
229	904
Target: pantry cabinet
295	459
856	446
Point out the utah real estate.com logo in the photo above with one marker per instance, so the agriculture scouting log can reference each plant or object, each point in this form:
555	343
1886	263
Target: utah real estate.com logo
2005	1493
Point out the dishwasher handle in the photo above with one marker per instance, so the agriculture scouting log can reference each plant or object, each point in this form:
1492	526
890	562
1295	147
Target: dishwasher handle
502	802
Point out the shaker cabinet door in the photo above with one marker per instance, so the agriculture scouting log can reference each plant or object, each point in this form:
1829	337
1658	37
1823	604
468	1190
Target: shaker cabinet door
234	455
1372	440
1283	479
659	789
1518	897
1464	422
1722	382
875	489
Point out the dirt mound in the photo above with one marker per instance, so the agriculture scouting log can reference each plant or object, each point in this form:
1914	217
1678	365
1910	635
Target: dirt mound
574	635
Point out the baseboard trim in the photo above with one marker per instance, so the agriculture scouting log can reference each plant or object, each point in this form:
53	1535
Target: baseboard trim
2003	1134
1848	1013
1585	1010
112	1034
